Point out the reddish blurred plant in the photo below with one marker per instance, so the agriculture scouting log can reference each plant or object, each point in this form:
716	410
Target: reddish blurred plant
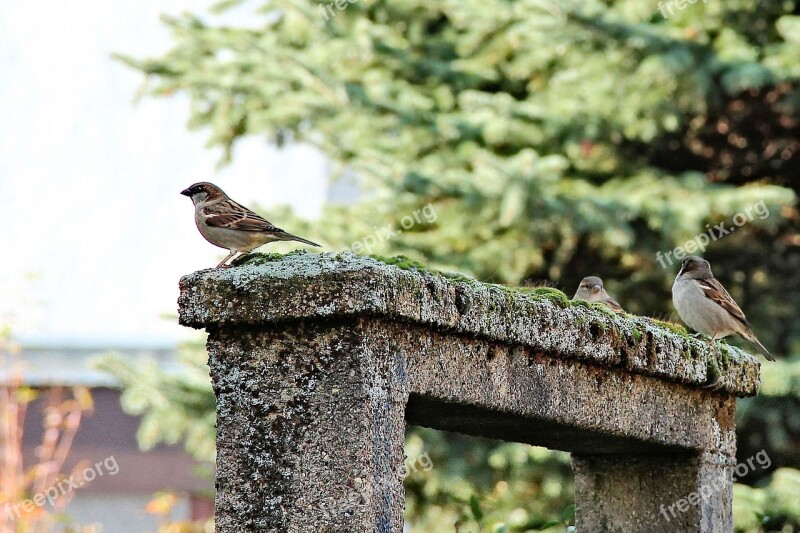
28	501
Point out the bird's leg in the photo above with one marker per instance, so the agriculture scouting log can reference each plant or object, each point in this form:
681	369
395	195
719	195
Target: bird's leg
238	257
714	346
222	263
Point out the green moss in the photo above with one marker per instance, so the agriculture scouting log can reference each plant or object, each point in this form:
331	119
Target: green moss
403	262
581	303
606	310
724	354
455	276
672	327
537	293
260	259
534	293
713	372
596	306
637	333
547	293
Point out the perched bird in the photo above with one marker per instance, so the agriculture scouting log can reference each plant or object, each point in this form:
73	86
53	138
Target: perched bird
591	289
705	305
230	225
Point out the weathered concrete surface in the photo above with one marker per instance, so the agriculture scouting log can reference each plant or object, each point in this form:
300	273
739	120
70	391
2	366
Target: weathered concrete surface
318	360
651	493
310	427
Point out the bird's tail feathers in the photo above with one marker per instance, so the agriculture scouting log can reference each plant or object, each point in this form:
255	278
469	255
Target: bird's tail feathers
752	338
289	237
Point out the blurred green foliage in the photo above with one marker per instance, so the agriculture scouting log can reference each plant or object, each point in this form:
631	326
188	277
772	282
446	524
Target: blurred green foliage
554	140
484	485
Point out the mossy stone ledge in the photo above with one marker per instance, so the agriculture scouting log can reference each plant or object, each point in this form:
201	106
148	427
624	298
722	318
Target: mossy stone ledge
318	362
304	285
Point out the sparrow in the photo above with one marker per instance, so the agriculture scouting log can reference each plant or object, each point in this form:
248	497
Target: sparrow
591	290
706	307
228	224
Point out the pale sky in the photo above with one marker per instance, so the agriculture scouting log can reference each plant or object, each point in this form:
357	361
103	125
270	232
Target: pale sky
94	233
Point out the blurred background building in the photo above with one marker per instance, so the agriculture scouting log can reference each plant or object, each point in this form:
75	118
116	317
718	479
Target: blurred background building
118	500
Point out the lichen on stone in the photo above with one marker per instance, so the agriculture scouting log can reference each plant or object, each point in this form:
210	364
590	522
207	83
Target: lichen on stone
402	262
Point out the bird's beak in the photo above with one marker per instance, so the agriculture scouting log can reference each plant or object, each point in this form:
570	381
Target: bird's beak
186	192
596	288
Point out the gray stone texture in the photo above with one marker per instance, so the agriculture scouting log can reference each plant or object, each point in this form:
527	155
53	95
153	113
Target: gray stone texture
319	361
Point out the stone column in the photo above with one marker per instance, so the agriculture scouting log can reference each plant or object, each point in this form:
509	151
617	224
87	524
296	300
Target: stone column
646	493
310	428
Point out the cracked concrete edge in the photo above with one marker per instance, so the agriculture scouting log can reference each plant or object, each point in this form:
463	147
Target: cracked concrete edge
272	288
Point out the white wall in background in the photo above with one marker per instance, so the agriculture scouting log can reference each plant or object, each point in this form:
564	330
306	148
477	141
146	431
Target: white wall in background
89	183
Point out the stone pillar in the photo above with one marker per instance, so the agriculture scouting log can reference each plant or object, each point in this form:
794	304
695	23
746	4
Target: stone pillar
645	493
310	428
